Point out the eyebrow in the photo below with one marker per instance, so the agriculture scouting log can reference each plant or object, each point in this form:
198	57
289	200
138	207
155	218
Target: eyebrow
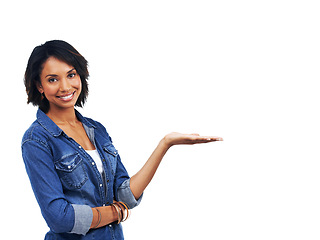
54	75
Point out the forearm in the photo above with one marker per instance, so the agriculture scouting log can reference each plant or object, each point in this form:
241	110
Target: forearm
108	215
141	179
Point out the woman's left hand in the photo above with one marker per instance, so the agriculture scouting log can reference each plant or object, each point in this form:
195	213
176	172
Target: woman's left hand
179	138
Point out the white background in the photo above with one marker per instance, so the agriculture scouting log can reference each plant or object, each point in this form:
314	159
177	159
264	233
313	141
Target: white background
247	71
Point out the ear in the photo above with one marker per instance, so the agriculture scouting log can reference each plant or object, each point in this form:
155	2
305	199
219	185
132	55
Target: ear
39	87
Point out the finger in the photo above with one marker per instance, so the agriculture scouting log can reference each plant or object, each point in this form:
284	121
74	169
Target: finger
200	140
216	138
210	138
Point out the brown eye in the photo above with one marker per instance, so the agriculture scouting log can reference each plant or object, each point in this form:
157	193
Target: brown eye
71	75
51	80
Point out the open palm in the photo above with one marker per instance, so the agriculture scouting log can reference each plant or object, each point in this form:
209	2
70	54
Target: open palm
175	138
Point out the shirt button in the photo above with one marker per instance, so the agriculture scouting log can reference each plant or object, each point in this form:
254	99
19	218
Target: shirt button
108	180
115	152
92	163
100	185
79	146
110	226
69	167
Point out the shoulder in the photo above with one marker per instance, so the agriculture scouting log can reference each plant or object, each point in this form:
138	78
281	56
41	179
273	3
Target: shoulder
97	125
89	122
99	128
35	133
94	123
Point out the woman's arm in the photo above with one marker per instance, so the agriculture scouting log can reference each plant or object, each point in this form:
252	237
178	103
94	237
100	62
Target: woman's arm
141	179
102	216
60	215
107	215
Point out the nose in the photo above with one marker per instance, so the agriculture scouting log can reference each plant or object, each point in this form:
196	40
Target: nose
65	85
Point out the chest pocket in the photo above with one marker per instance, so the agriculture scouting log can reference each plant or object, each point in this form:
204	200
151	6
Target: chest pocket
112	155
71	171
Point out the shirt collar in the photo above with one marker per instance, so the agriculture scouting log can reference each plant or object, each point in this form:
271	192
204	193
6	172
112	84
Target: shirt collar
52	128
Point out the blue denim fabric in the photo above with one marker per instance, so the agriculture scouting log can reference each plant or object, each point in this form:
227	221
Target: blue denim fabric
67	183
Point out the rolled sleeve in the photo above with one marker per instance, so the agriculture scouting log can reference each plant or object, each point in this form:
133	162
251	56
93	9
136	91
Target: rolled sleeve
125	195
82	219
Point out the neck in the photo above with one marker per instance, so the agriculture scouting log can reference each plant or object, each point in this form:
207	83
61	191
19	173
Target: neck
63	116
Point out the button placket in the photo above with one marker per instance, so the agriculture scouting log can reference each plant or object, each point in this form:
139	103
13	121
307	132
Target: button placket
107	181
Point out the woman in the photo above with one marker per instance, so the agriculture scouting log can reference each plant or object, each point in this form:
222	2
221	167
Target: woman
77	176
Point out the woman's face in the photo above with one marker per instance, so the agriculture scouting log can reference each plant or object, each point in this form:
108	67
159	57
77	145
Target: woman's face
60	83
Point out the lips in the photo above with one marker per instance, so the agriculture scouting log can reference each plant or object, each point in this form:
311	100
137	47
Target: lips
66	97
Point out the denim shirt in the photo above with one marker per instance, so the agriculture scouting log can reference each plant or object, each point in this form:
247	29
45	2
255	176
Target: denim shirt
66	180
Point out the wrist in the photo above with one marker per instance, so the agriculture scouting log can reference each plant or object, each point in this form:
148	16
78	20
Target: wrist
114	214
166	143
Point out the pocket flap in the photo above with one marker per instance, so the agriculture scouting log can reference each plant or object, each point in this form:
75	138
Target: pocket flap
111	149
68	163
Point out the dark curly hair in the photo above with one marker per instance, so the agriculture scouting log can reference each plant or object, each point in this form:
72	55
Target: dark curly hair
62	51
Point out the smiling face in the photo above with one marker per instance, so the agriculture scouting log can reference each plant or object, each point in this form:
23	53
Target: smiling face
60	83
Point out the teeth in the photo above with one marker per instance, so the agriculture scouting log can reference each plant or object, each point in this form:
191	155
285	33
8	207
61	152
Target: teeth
67	97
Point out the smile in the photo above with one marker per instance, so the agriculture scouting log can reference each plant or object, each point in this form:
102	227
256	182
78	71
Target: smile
67	97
